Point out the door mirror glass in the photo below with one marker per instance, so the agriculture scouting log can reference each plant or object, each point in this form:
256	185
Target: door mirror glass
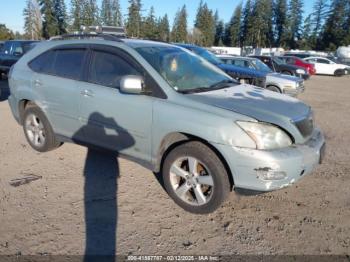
132	84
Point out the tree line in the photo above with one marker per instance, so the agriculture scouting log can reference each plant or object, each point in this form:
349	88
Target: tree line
256	23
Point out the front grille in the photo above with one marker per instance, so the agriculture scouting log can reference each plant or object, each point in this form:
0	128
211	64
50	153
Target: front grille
305	125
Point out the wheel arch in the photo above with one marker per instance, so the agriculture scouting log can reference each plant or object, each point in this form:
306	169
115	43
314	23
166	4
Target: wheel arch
173	140
22	104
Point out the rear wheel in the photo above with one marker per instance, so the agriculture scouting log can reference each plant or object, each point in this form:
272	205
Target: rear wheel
195	178
38	130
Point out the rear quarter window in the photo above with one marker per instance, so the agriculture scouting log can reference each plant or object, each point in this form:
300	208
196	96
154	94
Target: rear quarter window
43	63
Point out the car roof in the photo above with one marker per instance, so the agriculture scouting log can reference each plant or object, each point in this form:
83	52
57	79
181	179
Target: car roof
135	43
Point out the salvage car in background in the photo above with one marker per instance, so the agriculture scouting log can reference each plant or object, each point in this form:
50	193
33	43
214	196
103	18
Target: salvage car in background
325	66
292	60
279	66
243	75
12	51
290	85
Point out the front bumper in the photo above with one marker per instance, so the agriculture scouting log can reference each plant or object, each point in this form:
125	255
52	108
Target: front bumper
296	161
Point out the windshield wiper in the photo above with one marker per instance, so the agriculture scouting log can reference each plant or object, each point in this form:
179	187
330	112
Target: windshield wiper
223	84
219	85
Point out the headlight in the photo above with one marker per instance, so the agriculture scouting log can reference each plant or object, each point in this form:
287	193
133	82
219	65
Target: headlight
265	136
300	71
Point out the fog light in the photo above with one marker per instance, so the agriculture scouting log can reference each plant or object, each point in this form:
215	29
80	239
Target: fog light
265	174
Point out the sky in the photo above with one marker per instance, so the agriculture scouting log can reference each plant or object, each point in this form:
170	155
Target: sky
11	12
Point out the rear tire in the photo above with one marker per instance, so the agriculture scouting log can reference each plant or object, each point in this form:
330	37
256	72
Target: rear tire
195	178
38	130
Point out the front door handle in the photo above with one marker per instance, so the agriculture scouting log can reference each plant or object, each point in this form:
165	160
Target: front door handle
37	83
87	93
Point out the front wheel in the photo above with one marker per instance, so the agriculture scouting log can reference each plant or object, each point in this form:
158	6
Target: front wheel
38	130
273	89
195	178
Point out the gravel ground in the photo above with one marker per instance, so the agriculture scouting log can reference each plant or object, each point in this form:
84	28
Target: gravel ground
55	215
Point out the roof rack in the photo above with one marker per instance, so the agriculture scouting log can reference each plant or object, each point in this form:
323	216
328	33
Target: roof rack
103	36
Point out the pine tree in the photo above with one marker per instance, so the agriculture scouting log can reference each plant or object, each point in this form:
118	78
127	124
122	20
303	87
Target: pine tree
307	42
164	29
117	17
247	24
320	10
334	31
281	22
50	23
205	23
106	12
133	25
76	14
150	29
233	34
179	31
60	12
32	20
219	33
90	13
295	22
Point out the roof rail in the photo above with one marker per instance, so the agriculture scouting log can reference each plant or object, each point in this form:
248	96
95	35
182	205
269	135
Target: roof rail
103	36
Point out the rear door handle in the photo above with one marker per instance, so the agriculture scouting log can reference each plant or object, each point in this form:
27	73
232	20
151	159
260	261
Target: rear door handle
87	93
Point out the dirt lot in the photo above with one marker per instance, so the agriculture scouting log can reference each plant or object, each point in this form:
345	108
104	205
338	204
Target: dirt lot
48	215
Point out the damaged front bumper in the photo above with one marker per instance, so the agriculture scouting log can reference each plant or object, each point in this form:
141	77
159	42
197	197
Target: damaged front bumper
267	170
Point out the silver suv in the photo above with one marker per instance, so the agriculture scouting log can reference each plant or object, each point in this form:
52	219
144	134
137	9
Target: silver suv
167	109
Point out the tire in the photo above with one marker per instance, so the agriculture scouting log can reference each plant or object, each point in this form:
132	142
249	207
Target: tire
200	189
274	89
339	72
38	130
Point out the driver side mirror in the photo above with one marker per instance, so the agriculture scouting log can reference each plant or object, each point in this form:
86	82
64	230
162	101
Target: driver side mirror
132	84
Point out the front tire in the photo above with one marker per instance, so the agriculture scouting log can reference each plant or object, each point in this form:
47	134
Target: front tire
38	130
273	89
195	178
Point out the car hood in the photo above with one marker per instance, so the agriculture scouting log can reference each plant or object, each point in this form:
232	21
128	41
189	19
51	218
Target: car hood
285	77
258	103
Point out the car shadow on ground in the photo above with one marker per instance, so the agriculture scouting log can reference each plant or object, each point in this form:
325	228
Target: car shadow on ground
101	172
4	90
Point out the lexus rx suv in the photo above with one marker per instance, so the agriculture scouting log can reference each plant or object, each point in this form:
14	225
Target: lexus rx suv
167	109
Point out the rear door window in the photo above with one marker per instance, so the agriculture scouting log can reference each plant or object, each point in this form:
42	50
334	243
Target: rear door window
107	69
69	63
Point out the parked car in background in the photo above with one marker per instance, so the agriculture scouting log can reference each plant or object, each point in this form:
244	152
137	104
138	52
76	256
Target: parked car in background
325	66
167	109
290	85
1	45
293	60
244	75
12	51
279	66
299	55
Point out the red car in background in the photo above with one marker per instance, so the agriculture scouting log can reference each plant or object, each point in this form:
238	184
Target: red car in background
292	60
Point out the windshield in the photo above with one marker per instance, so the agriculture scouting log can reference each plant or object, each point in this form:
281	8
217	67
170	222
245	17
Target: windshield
261	66
278	61
207	55
183	70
